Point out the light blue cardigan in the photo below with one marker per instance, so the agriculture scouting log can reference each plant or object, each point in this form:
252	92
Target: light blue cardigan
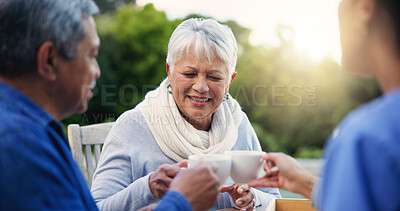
130	154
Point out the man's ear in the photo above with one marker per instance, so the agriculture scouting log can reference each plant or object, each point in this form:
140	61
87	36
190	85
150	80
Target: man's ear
46	59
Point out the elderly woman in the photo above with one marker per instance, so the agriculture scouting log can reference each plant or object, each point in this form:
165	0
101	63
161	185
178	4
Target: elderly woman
191	112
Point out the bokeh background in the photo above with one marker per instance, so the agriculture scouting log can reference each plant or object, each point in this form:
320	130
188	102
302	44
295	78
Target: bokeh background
292	99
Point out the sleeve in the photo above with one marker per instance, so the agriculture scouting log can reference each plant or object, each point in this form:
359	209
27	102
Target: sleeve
315	195
173	201
359	174
113	187
34	175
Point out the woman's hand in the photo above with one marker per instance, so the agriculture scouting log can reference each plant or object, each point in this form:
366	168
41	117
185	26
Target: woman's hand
161	178
242	196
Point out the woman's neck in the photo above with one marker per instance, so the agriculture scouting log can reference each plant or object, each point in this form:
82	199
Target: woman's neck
199	123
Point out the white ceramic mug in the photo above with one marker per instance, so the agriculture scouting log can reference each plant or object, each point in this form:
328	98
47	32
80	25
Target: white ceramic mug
224	163
246	165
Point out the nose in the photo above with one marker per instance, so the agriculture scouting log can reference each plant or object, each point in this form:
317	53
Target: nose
97	70
200	85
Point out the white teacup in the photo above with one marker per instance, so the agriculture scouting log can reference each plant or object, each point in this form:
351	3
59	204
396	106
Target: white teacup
246	165
224	163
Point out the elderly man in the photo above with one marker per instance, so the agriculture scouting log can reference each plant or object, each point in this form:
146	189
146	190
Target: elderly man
48	70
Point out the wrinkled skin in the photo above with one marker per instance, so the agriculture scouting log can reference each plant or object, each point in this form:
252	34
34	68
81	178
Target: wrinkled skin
161	178
241	194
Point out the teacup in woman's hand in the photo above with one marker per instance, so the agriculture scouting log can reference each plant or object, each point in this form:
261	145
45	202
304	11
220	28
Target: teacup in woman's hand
222	161
246	165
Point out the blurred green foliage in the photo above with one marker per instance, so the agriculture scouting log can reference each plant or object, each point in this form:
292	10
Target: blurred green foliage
111	5
292	102
308	152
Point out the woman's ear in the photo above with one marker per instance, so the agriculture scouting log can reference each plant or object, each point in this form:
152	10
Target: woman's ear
233	76
167	65
46	59
169	72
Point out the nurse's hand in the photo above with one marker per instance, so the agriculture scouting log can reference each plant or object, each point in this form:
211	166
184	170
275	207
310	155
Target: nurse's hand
285	172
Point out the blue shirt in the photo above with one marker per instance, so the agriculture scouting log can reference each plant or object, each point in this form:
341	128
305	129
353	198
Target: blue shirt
173	201
37	170
362	169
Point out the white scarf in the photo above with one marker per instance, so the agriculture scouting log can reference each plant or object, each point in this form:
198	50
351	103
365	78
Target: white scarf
176	137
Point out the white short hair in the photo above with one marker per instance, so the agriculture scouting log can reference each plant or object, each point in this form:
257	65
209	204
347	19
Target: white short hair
210	39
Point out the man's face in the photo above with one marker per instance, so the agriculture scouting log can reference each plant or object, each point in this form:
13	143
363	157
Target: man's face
77	75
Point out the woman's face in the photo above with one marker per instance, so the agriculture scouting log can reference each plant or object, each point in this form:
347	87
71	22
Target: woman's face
198	87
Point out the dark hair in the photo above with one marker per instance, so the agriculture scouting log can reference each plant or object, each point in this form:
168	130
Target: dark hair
26	24
393	8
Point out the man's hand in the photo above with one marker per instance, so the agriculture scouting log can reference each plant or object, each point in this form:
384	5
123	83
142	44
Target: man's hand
198	184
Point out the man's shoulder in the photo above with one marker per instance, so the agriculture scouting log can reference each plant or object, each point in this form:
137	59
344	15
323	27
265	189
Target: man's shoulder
16	123
25	139
19	132
36	170
21	129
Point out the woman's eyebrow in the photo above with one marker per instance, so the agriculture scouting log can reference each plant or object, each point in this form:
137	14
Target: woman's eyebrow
190	67
213	71
210	71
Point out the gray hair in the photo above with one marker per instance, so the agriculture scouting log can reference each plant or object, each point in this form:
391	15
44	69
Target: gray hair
26	24
209	38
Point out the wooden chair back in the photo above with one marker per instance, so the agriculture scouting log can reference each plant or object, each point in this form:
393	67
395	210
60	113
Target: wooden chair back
82	139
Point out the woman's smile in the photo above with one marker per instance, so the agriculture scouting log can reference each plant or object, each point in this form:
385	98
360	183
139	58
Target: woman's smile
199	101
